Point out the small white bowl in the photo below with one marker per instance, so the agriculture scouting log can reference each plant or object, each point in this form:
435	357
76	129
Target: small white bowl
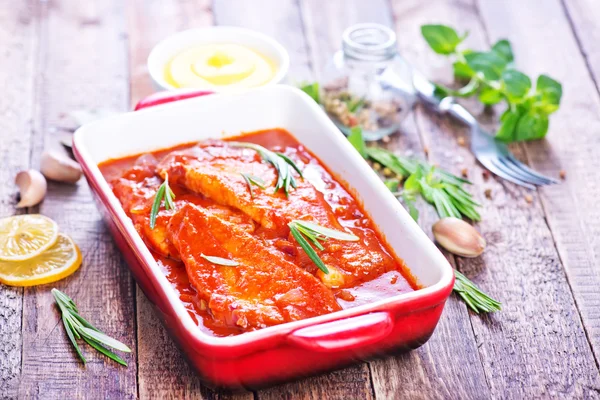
168	48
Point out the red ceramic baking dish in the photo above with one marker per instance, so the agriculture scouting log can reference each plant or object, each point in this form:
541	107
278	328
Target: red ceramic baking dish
290	350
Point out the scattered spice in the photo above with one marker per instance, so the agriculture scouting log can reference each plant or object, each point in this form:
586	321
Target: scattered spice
461	141
426	150
376	166
464	172
562	174
385	139
488	193
387	172
529	198
485	174
394	280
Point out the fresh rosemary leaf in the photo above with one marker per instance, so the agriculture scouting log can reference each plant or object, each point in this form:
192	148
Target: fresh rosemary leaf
325	232
477	300
103	339
252	180
220	261
78	328
303	230
310	252
165	193
105	351
281	163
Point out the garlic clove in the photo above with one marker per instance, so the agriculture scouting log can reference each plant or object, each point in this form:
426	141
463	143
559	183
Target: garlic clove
59	168
458	237
32	186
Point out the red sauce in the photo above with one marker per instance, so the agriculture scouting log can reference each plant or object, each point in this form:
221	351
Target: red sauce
347	210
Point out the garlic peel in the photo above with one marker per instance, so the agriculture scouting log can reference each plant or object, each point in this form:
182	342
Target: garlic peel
32	186
458	237
59	168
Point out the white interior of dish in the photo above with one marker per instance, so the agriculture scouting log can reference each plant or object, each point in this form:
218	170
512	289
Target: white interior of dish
217	116
168	48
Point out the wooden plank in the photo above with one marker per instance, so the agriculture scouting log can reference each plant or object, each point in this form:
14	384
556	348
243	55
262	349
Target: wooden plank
19	36
162	371
536	346
150	21
583	16
571	207
81	64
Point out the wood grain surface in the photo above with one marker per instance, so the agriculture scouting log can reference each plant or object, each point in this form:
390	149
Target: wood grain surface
542	261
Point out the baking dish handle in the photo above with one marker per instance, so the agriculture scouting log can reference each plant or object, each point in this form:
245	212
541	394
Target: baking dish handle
169	96
344	334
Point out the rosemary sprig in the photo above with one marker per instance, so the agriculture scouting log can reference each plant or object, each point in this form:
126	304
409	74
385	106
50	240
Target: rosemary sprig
281	162
78	328
253	180
304	232
438	187
165	193
220	261
473	296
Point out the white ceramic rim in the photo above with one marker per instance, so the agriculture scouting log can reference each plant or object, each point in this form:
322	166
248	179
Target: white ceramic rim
385	197
156	67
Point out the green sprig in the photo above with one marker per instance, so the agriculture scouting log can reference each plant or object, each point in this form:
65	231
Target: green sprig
493	79
165	193
253	180
304	232
477	300
281	162
438	187
77	327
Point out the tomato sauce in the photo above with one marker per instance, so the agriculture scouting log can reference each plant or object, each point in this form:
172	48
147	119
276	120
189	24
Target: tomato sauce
346	208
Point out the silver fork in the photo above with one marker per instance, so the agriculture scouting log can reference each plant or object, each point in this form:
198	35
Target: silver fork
493	154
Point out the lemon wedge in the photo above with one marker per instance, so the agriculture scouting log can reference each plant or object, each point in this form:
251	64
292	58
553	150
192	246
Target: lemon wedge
58	262
25	236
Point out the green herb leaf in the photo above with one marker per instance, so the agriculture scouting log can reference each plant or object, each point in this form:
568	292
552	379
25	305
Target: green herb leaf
312	89
78	328
508	123
409	202
253	180
477	300
220	261
490	96
549	89
490	64
356	139
441	38
517	84
303	231
281	163
532	125
462	70
165	193
504	49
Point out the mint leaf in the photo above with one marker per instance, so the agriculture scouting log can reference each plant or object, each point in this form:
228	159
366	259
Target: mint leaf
409	202
503	49
516	83
441	38
532	125
508	123
462	70
490	64
549	89
490	96
311	89
356	139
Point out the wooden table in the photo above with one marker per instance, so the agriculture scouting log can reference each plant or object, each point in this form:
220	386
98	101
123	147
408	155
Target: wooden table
543	258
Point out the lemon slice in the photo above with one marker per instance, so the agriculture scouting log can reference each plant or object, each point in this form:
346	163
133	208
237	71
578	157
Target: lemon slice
26	236
58	262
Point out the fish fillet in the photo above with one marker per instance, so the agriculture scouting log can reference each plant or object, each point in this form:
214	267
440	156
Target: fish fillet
262	290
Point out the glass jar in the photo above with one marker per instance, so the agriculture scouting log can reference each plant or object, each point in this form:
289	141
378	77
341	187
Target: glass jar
353	90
